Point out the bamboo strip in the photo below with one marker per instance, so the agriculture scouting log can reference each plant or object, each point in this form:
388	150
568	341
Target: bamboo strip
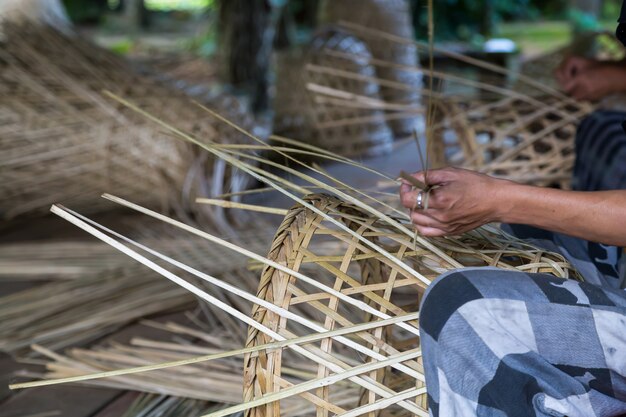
205	358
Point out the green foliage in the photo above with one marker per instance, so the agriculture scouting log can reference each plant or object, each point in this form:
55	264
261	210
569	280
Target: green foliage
123	47
188	5
583	22
85	10
469	20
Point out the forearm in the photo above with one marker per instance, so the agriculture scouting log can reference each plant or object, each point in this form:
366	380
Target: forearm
596	216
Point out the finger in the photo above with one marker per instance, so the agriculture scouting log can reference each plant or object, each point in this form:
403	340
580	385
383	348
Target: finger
436	198
464	228
419	175
580	92
430	231
408	198
440	176
405	188
570	85
420	219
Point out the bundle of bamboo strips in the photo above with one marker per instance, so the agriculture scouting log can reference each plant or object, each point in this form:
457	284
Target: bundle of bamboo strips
66	313
100	291
51	12
223	376
62	141
339	291
56	260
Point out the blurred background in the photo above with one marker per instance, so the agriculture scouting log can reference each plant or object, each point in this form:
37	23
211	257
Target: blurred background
222	33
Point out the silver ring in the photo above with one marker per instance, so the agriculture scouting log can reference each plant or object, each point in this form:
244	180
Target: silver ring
419	200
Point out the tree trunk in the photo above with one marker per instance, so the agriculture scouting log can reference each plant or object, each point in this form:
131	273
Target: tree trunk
135	15
246	31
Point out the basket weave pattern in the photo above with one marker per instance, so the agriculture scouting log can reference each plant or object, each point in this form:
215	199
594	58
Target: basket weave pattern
337	127
514	138
393	17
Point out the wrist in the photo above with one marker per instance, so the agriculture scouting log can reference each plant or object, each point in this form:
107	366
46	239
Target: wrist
508	197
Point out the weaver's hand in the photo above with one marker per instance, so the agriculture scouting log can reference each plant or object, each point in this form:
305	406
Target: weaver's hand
586	79
459	201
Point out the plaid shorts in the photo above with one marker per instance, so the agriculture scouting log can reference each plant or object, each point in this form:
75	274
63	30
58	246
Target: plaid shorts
500	343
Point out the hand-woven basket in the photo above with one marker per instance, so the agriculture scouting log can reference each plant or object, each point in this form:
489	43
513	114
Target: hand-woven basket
307	242
62	141
392	17
516	139
340	127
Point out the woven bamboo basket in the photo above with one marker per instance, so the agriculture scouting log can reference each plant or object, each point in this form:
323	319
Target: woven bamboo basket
513	138
305	241
62	140
393	17
335	126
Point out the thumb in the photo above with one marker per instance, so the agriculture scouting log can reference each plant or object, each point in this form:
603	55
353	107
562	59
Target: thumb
440	176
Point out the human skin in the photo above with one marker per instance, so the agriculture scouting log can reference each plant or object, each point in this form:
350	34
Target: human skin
588	79
462	200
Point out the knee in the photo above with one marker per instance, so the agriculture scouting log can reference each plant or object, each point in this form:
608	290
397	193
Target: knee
445	296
